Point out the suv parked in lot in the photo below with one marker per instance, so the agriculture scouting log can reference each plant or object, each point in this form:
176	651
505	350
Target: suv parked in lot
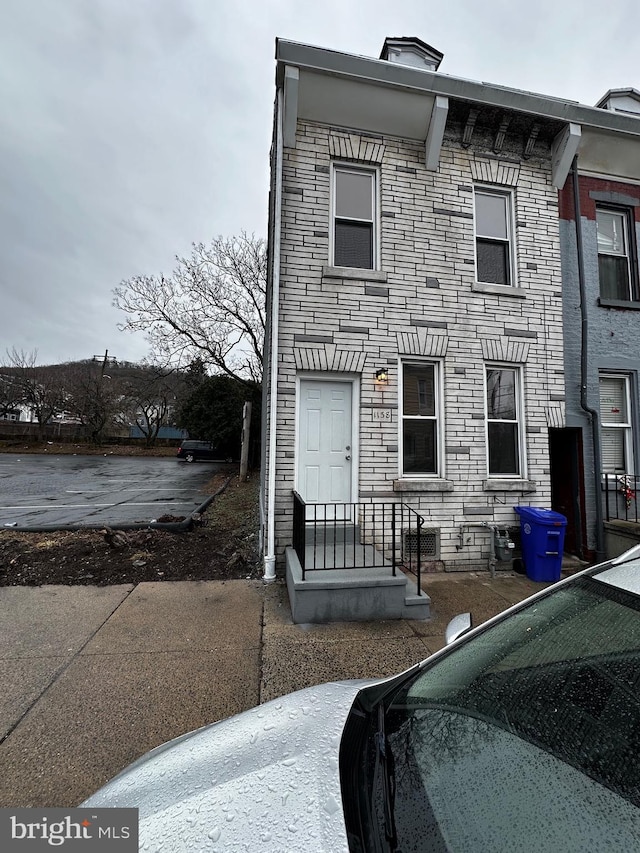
196	451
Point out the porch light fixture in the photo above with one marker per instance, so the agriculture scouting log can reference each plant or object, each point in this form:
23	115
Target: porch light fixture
382	374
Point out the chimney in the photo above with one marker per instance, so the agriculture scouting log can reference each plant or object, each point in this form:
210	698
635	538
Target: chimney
409	50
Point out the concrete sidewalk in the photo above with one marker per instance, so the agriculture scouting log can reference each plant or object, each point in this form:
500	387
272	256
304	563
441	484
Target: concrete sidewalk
93	677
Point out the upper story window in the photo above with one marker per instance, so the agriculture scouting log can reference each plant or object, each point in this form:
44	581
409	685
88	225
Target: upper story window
616	435
494	240
615	268
354	218
504	422
421	419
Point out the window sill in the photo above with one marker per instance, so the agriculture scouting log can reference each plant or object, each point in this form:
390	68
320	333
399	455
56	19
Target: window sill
509	485
619	303
498	289
407	485
353	273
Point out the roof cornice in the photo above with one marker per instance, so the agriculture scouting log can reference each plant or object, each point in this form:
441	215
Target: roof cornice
381	72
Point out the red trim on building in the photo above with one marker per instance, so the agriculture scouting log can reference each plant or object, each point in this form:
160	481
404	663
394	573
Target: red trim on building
587	204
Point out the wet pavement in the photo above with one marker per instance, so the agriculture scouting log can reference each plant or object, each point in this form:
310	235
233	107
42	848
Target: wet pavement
93	677
59	490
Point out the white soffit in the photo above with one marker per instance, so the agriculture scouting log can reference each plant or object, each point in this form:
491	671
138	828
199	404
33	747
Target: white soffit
360	104
610	154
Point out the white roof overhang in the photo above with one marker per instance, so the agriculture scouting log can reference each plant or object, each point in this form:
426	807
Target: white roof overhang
606	152
381	97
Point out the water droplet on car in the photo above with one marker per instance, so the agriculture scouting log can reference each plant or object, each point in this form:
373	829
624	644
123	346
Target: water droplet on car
331	806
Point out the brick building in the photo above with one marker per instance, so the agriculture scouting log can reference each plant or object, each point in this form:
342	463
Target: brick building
599	230
414	361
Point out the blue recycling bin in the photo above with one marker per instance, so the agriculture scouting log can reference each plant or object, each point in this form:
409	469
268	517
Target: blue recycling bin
542	536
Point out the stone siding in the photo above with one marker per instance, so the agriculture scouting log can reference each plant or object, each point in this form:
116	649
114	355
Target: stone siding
422	302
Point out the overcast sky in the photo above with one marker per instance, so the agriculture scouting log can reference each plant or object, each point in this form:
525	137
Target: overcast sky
131	128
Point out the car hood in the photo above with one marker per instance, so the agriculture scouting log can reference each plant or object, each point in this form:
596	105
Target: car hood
266	779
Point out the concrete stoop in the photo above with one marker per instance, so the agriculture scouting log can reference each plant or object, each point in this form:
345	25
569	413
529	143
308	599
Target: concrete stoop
351	595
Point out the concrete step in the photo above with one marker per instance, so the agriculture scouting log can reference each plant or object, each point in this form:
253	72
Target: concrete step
417	606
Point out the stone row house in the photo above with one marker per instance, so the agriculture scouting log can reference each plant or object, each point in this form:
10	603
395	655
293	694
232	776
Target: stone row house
427	317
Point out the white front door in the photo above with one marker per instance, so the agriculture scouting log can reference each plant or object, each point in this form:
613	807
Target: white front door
325	441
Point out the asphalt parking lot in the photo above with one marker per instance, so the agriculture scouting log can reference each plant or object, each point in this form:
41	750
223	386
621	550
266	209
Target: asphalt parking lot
97	490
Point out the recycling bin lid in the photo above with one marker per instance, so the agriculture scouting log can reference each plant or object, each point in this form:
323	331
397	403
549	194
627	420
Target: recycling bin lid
540	515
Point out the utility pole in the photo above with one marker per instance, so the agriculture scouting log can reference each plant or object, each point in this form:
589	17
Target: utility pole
244	452
106	359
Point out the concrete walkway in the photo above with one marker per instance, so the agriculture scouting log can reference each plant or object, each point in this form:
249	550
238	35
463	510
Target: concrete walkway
93	677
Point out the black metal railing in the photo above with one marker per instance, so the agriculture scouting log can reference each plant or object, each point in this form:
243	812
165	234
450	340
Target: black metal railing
619	497
329	536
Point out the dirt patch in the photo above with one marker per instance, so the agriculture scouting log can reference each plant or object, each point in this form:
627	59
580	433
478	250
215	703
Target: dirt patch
55	448
222	546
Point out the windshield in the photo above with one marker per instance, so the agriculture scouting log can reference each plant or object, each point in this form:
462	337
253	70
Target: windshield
527	737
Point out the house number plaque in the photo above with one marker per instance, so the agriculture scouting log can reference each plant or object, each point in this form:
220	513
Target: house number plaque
382	414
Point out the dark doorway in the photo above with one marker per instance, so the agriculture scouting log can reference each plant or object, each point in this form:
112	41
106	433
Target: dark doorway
567	484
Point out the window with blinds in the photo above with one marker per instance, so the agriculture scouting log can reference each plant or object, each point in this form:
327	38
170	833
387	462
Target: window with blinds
421	421
614	254
504	423
616	430
494	242
354	218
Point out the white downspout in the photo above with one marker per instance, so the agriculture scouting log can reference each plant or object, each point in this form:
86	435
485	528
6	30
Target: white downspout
270	556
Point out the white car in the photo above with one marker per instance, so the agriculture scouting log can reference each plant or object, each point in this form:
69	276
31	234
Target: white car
523	734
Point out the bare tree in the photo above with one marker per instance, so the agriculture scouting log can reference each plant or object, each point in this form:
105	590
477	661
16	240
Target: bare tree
212	307
91	397
10	391
42	387
148	399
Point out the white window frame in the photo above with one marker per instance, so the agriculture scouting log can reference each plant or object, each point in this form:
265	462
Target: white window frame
624	216
508	195
626	426
374	172
438	417
518	420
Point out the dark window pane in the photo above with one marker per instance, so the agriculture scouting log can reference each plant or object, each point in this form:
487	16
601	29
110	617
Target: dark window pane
503	448
493	262
614	277
418	391
354	245
419	447
501	394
